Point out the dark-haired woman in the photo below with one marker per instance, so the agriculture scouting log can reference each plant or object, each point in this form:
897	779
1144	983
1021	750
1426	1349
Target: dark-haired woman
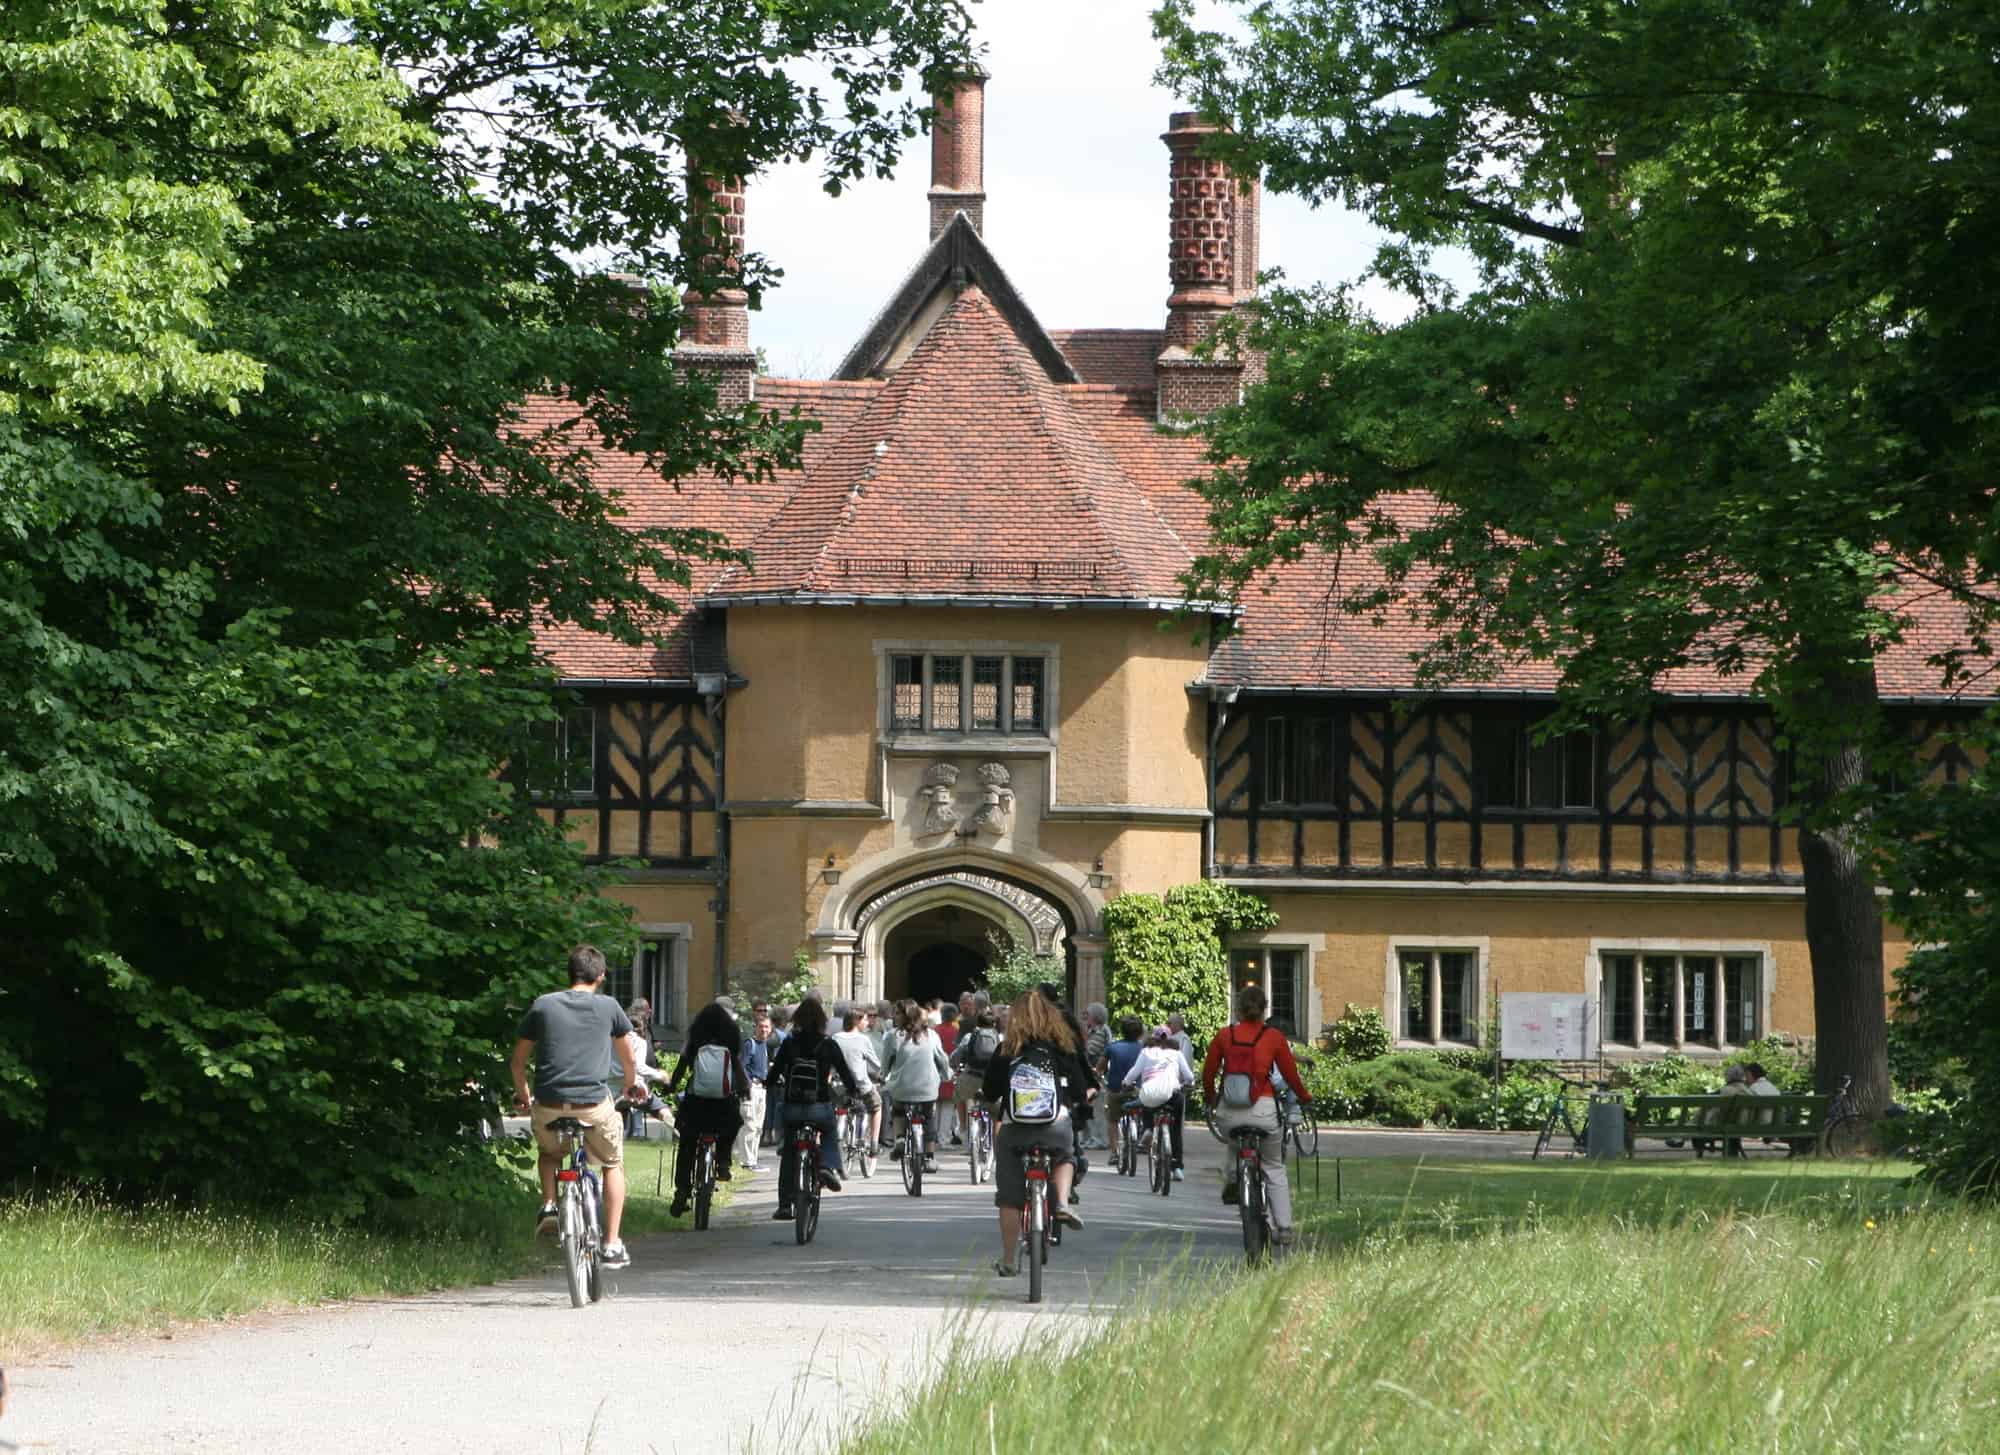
703	1109
808	1098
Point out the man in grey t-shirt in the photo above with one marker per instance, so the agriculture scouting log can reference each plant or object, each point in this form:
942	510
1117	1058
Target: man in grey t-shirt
575	1035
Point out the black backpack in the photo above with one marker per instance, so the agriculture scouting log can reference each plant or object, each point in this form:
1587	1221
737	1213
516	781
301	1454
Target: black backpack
803	1080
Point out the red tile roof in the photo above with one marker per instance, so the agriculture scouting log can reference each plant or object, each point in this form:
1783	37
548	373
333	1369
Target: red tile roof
1119	356
969	476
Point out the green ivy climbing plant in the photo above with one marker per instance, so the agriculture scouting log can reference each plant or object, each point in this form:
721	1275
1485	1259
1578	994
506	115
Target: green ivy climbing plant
1165	953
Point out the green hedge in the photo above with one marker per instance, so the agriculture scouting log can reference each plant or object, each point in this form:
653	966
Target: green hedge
1164	954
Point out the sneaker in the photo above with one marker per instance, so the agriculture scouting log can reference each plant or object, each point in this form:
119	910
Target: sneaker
545	1221
677	1208
957	1140
1069	1219
1179	1176
1229	1194
751	1167
829	1180
1005	1269
1284	1237
930	1166
614	1256
782	1215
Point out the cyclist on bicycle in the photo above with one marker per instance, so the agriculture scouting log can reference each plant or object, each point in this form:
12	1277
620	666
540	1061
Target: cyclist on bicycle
574	1036
1026	1079
1118	1058
969	1060
1081	1094
1161	1058
712	1066
1236	1080
864	1067
916	1069
808	1098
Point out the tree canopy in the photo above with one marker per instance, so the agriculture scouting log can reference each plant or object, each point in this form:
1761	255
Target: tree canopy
276	277
1718	395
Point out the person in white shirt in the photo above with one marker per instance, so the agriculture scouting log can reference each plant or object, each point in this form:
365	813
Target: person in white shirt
1760	1084
864	1065
1162	1056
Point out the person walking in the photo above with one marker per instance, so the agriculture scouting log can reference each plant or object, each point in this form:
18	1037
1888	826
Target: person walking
1236	1079
575	1037
756	1066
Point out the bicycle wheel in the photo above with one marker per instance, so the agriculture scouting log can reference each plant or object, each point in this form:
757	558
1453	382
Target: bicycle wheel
1163	1161
1305	1133
704	1185
805	1198
1038	1238
574	1255
593	1238
986	1152
1843	1137
1250	1203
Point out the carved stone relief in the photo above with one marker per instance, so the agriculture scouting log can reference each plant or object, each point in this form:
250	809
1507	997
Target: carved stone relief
940	800
985	810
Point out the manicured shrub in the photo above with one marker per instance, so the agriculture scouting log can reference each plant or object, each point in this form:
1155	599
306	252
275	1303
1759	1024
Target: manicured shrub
1359	1035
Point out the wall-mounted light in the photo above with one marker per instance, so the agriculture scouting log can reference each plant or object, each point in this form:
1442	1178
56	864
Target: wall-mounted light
829	873
1098	878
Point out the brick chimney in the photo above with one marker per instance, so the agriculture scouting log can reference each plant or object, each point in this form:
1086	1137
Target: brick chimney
715	335
958	153
1212	224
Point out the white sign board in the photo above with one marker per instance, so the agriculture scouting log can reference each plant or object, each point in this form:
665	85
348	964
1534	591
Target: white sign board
1541	1027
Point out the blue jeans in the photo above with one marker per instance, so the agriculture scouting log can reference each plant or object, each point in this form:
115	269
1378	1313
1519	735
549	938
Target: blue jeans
820	1114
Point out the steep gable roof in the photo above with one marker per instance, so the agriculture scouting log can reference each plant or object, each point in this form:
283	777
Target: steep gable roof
955	261
968	477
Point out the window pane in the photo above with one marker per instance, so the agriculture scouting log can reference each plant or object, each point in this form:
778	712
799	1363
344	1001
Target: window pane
580	752
947	680
906	693
986	674
655	963
1416	997
1699	990
1247	968
1456	993
1312	760
1659	993
1026	714
1739	990
1579	770
1277	762
1545	769
1619	1009
1497	748
1285	991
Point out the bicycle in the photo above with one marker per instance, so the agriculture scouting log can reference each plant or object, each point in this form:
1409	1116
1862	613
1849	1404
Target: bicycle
1846	1130
1160	1147
1298	1120
704	1179
1131	1133
1252	1201
1561	1113
979	1142
910	1145
856	1145
1038	1224
579	1215
806	1191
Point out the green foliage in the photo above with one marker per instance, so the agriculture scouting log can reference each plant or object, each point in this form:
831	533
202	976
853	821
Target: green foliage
1164	953
768	983
1410	1089
1944	875
276	278
1359	1035
1785	1063
1013	969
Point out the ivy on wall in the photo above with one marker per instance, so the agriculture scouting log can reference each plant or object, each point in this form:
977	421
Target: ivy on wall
1164	953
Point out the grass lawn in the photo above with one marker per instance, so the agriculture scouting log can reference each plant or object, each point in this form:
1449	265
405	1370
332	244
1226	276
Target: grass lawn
1570	1307
73	1266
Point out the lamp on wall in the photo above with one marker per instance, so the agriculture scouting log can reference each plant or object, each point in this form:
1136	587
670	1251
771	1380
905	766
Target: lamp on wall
1098	878
829	873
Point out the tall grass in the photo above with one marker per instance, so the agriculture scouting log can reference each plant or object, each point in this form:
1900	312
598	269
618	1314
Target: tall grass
75	1263
1797	1331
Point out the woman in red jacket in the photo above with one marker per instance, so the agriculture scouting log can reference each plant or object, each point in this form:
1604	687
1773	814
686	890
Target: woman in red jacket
1243	1057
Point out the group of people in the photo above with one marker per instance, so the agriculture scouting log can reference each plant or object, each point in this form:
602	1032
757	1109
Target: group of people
1039	1069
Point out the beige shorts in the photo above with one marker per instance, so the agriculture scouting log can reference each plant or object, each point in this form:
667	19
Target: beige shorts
603	1137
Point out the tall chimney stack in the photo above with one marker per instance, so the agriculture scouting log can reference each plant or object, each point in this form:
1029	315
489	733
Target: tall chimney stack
716	334
1212	265
958	153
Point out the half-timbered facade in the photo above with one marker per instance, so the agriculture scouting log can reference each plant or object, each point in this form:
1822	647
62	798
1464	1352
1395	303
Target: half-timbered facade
956	695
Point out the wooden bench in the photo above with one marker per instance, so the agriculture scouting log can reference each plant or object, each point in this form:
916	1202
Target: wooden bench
1703	1120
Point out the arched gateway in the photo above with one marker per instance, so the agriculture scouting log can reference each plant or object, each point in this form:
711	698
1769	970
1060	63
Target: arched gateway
913	927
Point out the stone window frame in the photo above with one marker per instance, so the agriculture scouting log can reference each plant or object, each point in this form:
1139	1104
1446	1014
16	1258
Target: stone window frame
1312	947
924	738
1639	947
670	996
1480	947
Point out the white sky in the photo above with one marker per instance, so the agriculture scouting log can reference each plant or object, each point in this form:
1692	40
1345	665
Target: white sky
1076	197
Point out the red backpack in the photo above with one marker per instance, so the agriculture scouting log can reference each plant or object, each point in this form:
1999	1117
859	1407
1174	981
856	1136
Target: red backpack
1239	1066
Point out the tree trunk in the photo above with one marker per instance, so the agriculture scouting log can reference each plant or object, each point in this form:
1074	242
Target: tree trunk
1843	914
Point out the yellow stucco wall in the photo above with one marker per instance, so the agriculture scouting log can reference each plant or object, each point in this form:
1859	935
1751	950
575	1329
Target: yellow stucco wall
805	726
1543	942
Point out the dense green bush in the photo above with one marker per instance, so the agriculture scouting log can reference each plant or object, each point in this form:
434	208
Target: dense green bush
1408	1089
1359	1035
1164	953
1789	1067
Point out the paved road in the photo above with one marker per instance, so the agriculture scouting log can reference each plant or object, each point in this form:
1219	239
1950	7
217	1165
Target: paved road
708	1341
